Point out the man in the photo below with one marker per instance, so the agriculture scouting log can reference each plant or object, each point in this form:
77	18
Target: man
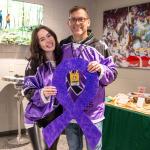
1	19
7	21
79	22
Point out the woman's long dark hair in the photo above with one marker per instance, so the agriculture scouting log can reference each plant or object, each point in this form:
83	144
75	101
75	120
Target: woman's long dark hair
37	54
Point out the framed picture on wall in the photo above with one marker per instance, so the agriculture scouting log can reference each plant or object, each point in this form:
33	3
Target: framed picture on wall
17	20
127	32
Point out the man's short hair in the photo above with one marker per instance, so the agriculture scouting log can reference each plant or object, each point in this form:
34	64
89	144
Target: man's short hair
76	8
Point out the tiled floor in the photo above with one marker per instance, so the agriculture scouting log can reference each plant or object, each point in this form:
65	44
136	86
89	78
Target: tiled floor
4	144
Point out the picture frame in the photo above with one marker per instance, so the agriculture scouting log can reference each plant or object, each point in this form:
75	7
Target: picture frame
126	31
17	21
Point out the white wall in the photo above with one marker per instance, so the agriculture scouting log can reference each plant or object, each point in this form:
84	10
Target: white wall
128	79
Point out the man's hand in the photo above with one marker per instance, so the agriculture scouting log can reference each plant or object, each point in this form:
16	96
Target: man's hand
94	66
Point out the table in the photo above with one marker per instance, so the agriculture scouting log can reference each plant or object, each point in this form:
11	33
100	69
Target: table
18	83
125	129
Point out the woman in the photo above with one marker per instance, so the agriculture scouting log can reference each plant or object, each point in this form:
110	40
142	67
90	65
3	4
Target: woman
42	107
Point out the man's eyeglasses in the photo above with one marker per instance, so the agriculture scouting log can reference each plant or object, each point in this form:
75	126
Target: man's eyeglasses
80	19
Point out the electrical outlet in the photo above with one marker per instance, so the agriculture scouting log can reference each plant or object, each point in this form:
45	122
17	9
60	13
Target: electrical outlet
11	69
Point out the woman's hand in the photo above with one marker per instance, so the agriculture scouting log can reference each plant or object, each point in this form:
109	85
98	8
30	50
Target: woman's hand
94	66
49	91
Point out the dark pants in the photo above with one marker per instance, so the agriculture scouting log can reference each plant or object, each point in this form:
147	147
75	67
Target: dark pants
35	132
37	140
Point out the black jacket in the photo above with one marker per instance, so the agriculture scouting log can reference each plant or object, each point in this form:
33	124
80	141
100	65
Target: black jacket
91	41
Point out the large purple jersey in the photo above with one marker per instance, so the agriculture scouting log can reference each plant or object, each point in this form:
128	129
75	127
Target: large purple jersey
36	108
95	110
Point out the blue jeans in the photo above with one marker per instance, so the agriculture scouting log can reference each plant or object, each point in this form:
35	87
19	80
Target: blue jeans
74	136
99	125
